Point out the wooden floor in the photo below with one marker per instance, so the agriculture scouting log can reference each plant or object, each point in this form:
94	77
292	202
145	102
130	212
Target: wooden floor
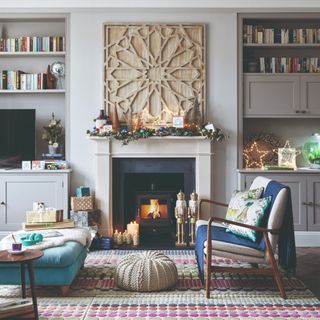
308	268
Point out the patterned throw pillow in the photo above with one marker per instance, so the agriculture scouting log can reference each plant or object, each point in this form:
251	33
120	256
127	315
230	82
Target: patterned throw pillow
237	199
250	212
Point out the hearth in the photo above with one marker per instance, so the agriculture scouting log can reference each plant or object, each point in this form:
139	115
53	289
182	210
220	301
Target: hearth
145	191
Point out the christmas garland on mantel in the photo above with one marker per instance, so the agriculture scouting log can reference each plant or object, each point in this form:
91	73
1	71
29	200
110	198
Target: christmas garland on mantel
127	136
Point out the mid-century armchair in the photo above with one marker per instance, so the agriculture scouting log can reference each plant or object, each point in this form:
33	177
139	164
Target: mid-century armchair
276	233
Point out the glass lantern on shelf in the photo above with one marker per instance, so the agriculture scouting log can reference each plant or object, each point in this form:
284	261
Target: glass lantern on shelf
311	151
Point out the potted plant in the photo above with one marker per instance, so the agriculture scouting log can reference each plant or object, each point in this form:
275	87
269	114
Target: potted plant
311	151
53	134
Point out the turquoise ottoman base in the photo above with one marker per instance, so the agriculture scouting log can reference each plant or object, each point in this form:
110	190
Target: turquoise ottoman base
58	267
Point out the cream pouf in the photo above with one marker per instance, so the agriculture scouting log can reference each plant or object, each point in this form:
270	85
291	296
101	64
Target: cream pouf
146	271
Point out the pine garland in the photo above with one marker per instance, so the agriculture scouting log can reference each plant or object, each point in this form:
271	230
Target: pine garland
127	136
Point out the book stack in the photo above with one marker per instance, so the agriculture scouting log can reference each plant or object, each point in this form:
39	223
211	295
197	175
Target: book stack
33	44
19	80
288	65
47	225
261	35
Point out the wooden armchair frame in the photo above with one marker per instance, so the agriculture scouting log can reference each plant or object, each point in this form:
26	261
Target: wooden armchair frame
273	271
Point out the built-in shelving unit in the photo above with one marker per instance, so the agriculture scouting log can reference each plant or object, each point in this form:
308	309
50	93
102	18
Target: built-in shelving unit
37	41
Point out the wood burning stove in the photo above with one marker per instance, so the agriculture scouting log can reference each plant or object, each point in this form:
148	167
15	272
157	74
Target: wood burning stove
154	213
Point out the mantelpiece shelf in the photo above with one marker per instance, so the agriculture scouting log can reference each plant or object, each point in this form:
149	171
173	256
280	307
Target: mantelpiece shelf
33	54
60	91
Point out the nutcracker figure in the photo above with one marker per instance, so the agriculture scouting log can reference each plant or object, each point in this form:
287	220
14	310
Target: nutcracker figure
192	216
181	216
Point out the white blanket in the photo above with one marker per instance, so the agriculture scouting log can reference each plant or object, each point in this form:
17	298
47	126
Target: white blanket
80	235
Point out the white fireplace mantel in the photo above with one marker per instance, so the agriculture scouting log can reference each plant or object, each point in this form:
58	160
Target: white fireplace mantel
198	148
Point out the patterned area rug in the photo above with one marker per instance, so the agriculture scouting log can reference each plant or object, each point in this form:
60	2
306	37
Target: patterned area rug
94	295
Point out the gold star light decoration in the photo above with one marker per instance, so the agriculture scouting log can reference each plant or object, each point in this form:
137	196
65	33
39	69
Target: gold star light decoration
287	156
253	156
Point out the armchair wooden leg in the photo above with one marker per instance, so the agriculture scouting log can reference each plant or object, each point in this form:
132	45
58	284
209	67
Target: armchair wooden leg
276	272
208	273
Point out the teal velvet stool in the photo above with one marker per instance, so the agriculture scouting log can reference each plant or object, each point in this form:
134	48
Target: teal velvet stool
57	267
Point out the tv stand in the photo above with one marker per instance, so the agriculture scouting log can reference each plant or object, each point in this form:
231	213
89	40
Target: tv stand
20	188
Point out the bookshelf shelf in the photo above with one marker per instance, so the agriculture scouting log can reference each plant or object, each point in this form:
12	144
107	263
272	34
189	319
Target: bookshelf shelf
45	91
280	45
33	54
269	74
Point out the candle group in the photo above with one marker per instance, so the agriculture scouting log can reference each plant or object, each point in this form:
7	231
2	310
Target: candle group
129	236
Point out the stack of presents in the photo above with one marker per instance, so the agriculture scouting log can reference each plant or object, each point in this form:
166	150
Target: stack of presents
82	211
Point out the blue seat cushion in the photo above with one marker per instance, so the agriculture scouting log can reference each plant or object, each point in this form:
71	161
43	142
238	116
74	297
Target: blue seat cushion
220	234
58	257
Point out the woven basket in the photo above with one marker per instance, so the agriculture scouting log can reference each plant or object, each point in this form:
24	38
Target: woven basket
147	271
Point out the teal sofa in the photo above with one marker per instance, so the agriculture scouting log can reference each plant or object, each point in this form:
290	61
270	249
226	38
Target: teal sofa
57	267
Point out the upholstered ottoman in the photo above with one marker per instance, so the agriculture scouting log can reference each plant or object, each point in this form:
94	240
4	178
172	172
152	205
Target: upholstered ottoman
58	266
147	271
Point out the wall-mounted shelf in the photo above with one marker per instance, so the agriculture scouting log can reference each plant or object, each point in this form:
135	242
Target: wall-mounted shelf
280	45
33	54
60	91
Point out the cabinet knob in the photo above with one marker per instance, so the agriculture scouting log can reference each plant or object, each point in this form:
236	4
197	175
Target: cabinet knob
298	111
303	111
3	203
304	203
310	204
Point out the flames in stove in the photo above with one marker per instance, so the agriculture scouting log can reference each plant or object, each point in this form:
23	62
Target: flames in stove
154	210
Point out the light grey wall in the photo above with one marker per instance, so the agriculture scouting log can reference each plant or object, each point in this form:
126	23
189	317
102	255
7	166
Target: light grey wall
86	86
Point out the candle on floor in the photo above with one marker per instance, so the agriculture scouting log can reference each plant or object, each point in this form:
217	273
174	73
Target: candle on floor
119	238
136	239
115	236
133	228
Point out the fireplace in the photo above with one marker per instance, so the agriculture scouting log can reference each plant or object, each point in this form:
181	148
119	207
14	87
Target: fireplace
108	177
145	191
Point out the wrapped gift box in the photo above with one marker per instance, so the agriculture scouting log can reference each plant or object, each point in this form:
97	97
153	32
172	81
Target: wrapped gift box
44	216
83	191
86	218
82	203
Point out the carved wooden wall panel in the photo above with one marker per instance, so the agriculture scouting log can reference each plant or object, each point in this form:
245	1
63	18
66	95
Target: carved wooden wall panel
154	70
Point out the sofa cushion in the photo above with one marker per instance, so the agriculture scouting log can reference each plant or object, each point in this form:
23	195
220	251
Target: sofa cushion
57	257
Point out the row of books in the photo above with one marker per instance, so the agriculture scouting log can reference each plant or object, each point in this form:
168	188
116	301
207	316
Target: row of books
288	65
33	44
261	35
19	80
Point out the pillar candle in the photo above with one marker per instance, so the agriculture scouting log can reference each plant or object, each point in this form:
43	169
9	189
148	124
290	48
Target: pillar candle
133	228
136	239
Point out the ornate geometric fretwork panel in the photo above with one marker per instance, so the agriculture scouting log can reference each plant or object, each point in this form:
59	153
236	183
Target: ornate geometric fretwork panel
154	71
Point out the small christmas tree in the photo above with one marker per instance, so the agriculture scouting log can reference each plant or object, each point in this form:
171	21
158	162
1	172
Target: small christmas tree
195	113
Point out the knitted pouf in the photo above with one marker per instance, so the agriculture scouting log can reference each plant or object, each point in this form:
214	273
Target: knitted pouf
146	271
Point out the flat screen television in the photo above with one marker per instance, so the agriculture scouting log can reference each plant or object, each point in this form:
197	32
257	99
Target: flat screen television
17	136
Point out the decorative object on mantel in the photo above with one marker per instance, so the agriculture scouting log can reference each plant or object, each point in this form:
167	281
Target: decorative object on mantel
126	136
287	156
180	212
311	151
115	118
193	210
260	150
53	134
155	70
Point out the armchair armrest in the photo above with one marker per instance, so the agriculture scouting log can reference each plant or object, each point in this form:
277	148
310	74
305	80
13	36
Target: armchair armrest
261	229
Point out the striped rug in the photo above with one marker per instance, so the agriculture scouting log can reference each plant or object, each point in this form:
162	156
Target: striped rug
94	295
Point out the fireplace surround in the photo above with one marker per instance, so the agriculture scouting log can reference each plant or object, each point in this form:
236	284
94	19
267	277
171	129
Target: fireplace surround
109	152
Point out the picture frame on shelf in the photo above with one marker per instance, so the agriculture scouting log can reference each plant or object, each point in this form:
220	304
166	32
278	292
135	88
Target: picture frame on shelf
178	121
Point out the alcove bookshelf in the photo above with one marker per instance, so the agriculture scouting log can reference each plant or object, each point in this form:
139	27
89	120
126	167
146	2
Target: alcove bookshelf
29	44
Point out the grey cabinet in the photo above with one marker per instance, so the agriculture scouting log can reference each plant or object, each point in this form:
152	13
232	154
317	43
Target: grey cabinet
305	195
310	95
313	203
18	191
266	95
284	95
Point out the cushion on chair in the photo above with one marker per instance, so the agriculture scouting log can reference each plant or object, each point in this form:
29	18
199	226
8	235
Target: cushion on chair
146	271
250	212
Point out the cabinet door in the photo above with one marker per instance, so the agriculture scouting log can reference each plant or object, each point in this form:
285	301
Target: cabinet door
313	203
310	94
298	187
271	95
19	192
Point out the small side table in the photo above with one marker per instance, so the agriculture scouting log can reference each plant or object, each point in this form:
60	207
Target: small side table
24	259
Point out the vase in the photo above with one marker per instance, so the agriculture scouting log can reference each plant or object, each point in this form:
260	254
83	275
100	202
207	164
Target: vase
52	149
